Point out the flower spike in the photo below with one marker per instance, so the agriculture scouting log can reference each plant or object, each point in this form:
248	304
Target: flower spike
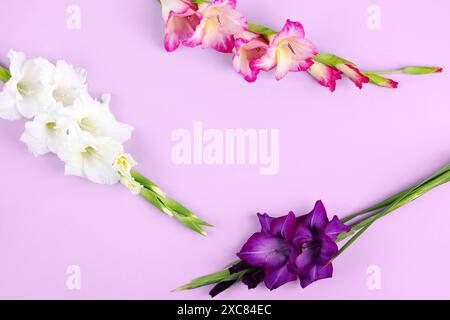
304	247
218	25
65	120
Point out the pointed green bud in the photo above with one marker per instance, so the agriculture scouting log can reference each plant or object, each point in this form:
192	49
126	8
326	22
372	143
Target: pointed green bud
381	81
421	70
4	75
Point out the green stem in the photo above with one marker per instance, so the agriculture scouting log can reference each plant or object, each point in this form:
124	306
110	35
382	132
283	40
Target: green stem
213	278
400	199
397	71
395	197
409	197
154	195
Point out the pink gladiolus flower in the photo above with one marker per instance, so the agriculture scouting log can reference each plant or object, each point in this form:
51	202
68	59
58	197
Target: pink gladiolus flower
219	23
248	48
325	75
181	19
288	51
352	73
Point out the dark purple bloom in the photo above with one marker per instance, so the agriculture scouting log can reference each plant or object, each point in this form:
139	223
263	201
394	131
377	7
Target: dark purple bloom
315	238
288	248
272	249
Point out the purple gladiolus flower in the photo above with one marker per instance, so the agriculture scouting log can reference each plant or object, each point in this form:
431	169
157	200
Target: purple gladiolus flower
315	238
288	248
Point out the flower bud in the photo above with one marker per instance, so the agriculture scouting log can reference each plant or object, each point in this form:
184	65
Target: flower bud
421	70
381	81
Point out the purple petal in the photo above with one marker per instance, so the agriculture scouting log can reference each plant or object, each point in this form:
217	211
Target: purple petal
302	235
239	267
315	273
253	279
328	250
306	259
275	278
335	227
265	220
263	250
317	219
220	287
284	226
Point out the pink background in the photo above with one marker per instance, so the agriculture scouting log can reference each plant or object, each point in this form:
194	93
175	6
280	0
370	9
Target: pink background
350	149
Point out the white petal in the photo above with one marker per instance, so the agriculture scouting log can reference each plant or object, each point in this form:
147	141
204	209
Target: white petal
17	59
69	83
8	108
35	138
98	166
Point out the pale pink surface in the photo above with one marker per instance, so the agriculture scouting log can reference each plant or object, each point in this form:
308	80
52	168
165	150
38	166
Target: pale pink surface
349	148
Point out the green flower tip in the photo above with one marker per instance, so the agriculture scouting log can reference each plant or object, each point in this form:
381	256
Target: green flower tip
381	81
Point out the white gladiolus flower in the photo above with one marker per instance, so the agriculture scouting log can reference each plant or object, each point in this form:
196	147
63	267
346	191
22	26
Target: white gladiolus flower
68	83
47	132
95	117
27	91
90	157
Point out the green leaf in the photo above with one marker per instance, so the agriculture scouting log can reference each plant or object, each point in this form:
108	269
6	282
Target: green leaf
349	242
412	195
156	196
4	74
142	180
213	278
396	197
190	223
152	198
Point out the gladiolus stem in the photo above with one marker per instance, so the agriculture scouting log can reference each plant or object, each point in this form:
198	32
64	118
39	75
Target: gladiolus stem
154	195
409	70
398	200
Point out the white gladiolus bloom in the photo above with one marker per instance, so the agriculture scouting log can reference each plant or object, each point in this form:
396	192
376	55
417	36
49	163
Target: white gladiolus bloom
47	132
67	121
27	91
95	117
68	83
90	157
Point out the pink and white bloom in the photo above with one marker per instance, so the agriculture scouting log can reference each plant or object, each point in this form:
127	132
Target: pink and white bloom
325	75
352	73
288	51
181	19
248	48
219	23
